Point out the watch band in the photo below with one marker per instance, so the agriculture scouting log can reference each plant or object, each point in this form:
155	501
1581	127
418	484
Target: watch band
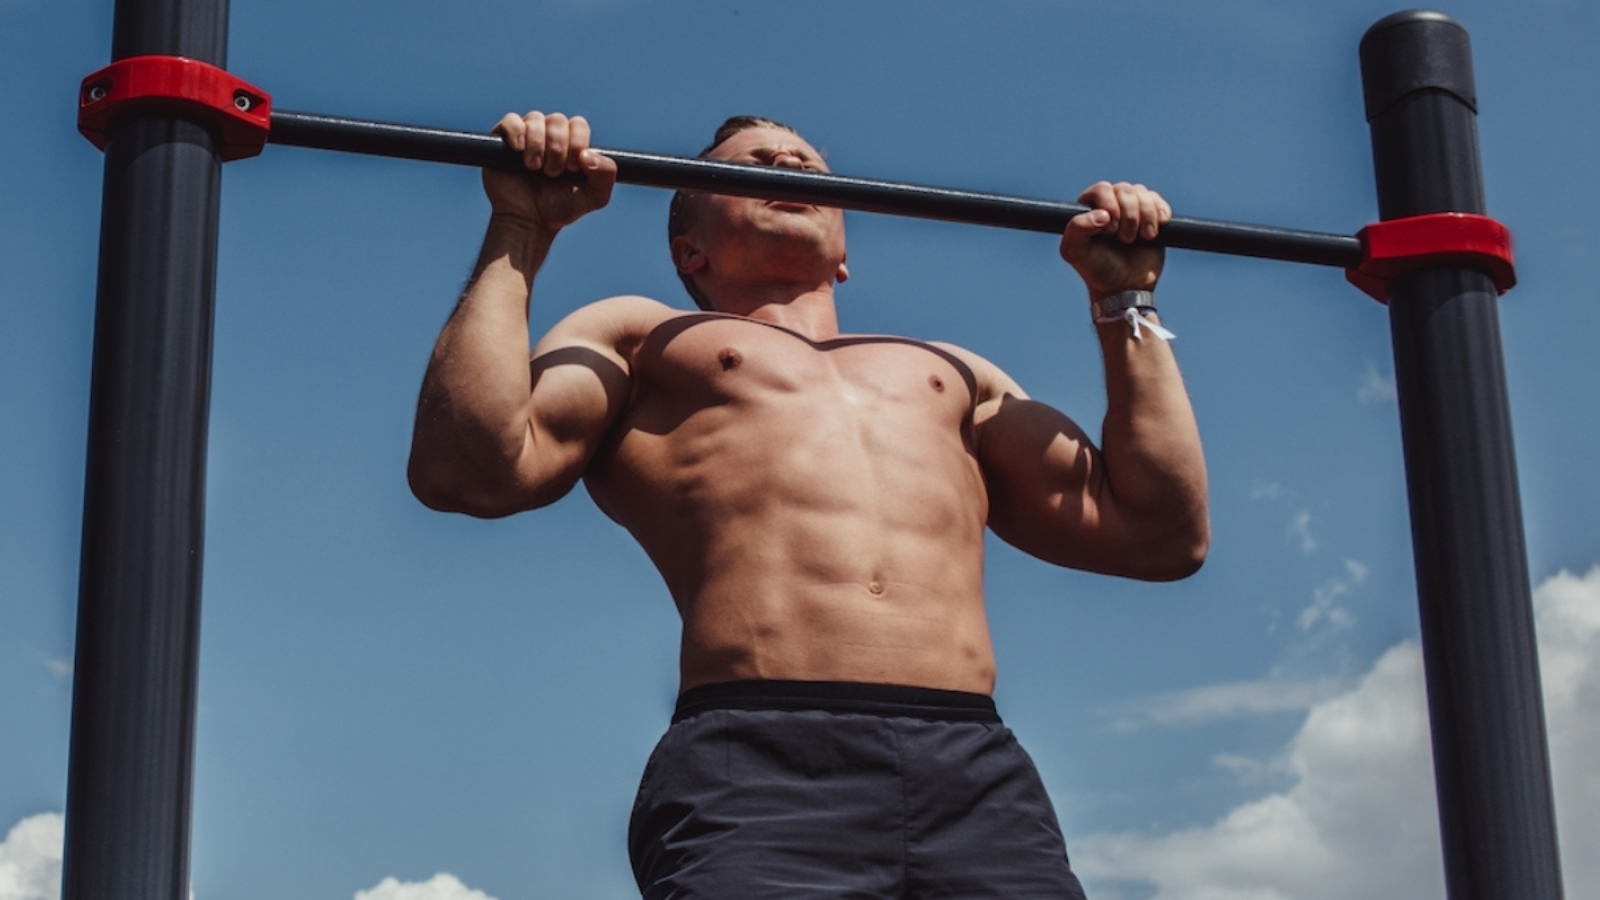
1116	305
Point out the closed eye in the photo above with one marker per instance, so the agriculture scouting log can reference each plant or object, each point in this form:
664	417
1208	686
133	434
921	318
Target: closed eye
770	156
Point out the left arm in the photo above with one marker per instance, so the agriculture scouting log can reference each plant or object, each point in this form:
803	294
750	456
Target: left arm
1135	506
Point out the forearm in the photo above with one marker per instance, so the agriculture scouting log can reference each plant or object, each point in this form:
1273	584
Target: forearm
472	416
1154	471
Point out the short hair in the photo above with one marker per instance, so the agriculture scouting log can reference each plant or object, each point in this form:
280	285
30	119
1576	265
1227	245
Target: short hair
678	216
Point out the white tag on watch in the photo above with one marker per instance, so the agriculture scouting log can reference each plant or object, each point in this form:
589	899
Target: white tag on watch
1131	307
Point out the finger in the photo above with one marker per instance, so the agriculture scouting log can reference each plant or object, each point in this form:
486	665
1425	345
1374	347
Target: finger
533	148
556	133
512	131
1128	200
577	142
1164	209
1149	212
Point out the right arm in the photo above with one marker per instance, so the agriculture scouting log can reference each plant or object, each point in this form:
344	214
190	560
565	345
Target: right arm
497	432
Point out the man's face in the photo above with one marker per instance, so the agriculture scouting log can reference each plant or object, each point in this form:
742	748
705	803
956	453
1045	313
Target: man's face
737	233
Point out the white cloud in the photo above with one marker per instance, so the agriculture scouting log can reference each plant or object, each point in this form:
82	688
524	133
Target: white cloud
60	668
1300	530
1266	490
30	869
1252	771
1360	819
1221	701
1568	611
30	859
1375	386
442	886
1322	608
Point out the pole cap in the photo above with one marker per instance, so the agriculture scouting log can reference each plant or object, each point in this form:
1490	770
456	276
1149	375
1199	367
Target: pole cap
1415	50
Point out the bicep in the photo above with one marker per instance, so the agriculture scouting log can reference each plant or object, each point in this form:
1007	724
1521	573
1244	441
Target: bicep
579	383
1048	493
1045	480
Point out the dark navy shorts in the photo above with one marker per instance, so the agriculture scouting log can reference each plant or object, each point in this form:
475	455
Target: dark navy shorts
792	790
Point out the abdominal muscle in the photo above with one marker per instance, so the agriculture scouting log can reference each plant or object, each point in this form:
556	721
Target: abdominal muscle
886	607
809	535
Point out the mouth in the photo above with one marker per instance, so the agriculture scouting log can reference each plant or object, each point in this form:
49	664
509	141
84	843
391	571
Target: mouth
790	205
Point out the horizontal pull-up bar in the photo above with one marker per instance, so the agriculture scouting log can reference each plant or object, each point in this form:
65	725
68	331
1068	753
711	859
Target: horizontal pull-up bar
771	183
244	117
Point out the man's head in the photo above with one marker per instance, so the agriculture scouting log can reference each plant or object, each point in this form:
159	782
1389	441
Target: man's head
752	139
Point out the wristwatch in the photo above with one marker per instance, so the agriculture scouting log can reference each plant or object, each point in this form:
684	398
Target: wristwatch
1117	305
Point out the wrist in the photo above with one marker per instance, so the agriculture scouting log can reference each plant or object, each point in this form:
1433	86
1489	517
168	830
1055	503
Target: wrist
1136	308
521	234
526	223
1114	305
521	242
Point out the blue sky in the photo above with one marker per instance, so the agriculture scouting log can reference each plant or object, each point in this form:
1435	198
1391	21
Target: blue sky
388	692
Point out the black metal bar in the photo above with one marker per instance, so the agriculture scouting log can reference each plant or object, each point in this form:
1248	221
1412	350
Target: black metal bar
866	195
133	707
1491	763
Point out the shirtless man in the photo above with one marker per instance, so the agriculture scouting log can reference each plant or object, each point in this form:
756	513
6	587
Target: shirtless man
816	503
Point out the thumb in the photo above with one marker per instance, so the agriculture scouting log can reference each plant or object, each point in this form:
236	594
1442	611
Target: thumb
600	172
1083	227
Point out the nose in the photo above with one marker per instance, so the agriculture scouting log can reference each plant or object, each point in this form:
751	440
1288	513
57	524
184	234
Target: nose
788	160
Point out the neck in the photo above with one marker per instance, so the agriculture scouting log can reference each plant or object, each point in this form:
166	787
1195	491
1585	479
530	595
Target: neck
809	312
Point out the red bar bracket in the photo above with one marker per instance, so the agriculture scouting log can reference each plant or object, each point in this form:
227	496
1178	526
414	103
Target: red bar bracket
1393	248
141	83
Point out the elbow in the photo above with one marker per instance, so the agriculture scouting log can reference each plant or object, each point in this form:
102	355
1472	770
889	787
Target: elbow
442	488
1166	548
1180	562
434	487
461	488
1179	554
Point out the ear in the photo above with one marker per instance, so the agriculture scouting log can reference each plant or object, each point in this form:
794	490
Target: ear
686	255
843	274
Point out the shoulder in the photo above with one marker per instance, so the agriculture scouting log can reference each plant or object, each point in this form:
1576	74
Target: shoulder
628	312
617	324
992	382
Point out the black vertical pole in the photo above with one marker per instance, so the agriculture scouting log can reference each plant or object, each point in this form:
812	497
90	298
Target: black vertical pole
1491	764
133	702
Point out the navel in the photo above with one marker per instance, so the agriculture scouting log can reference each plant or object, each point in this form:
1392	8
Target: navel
936	382
875	587
730	358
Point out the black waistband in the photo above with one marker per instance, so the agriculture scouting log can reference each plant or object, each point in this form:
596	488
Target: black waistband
838	697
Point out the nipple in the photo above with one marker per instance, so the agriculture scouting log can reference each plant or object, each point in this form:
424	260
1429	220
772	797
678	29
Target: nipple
730	358
936	382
